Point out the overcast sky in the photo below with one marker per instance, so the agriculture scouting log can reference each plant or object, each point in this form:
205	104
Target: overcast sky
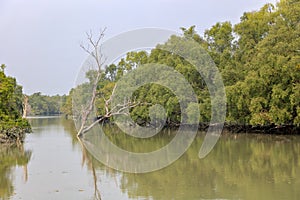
39	39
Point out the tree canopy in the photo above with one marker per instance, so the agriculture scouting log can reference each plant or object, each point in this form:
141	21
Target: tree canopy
11	107
259	59
40	104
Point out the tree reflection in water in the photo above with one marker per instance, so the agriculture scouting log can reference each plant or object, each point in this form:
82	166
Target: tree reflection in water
240	166
86	157
11	156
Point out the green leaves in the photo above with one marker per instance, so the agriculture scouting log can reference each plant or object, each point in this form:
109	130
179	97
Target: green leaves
259	59
45	105
11	99
267	52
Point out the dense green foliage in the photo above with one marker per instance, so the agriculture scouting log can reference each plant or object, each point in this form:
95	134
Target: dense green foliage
12	125
267	57
259	59
10	98
40	104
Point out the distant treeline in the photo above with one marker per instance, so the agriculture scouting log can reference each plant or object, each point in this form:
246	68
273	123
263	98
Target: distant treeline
259	59
39	104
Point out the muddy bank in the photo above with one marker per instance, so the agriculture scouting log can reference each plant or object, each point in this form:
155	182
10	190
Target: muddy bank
238	128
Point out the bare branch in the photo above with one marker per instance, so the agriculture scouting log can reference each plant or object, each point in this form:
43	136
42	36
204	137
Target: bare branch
97	57
94	50
116	110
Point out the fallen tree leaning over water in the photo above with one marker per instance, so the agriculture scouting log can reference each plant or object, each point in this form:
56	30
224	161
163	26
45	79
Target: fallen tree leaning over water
94	51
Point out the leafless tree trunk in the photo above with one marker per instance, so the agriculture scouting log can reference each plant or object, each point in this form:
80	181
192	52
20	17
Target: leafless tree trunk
25	106
94	50
96	54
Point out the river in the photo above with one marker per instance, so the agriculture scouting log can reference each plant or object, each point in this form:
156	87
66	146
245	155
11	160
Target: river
53	164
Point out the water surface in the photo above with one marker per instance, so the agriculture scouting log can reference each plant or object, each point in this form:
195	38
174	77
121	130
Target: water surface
53	164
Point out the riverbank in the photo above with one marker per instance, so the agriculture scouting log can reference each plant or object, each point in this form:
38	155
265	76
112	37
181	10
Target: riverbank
235	128
258	129
15	132
13	135
264	129
227	128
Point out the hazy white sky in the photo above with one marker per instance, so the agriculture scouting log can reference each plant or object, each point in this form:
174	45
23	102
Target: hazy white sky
39	39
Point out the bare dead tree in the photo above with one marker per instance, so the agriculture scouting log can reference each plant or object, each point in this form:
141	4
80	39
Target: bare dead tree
94	50
25	106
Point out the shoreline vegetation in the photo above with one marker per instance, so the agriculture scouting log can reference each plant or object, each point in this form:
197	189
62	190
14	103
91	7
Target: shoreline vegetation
232	128
13	127
259	61
14	134
258	58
